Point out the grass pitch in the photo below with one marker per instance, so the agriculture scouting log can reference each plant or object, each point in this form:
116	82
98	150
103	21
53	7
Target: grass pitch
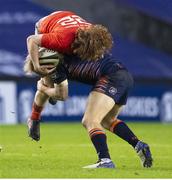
65	148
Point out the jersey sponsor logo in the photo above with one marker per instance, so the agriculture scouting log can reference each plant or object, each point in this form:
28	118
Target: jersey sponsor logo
73	20
112	90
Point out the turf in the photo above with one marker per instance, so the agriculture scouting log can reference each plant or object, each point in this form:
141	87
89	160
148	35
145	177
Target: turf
65	147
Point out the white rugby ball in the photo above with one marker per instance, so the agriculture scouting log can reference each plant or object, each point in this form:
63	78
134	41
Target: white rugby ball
47	56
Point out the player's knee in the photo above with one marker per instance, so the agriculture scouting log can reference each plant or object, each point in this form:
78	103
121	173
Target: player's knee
84	122
105	125
41	94
90	123
64	96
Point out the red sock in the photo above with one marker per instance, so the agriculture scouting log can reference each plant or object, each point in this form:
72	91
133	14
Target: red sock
36	112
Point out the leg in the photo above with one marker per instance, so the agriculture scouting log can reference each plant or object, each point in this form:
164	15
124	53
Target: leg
98	106
111	116
37	107
40	100
119	128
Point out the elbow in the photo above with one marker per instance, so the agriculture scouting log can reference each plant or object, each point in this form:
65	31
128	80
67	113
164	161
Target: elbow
61	97
32	40
29	38
61	92
64	97
64	93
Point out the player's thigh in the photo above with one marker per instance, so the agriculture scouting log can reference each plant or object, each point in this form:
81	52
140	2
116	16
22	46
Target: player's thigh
98	105
111	116
40	97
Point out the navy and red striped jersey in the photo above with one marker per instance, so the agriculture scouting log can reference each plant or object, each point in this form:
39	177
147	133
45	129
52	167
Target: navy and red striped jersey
86	71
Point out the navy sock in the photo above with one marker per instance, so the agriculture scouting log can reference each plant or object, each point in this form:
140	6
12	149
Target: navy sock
98	138
124	132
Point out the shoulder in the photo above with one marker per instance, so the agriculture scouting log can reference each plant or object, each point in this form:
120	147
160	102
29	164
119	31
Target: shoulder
71	58
108	57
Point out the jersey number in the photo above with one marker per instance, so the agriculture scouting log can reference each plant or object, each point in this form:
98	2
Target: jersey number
72	20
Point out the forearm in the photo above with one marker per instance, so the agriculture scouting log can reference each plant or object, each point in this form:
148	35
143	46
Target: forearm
52	92
33	48
33	44
58	92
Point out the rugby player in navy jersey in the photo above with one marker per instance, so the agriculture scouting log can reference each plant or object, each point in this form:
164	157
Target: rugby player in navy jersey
111	83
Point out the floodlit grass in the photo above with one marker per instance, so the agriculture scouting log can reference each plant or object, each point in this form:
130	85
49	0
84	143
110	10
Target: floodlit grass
65	148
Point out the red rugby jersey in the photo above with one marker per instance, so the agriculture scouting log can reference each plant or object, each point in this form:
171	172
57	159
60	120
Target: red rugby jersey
59	29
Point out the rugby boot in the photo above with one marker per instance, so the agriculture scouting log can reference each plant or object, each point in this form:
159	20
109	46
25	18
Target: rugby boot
102	163
144	153
34	129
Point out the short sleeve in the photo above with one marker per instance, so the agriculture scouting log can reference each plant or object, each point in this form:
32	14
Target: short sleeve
52	41
59	75
60	42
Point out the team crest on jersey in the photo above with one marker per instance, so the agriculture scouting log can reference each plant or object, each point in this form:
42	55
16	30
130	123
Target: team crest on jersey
112	90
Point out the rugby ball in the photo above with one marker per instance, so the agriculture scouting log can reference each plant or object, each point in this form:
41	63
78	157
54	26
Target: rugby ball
47	56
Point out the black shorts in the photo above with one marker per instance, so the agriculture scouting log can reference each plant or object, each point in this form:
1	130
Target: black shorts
116	85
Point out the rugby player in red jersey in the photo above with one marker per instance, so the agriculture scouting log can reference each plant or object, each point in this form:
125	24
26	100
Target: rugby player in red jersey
68	33
111	83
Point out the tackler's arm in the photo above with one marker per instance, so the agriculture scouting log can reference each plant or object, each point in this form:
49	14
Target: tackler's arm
58	92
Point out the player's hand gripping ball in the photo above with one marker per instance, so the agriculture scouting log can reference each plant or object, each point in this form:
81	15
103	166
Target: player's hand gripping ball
49	57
